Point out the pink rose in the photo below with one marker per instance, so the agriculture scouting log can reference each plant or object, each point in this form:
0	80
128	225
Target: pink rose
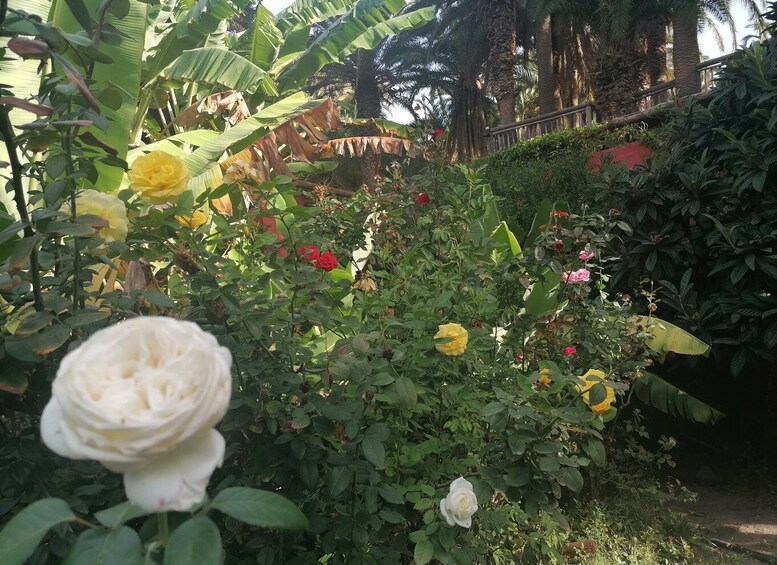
570	351
586	255
581	275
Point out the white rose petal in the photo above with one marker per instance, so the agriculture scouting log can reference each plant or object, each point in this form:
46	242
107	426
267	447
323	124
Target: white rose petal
177	480
460	504
135	393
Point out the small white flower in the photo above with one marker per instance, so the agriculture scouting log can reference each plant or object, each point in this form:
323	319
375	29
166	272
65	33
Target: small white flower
142	397
460	504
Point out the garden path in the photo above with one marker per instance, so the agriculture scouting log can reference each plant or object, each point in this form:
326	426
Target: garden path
743	516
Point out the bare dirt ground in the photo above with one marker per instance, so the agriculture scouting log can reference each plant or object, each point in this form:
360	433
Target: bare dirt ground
745	517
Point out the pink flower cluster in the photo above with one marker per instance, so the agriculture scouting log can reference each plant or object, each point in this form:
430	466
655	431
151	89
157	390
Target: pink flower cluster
581	275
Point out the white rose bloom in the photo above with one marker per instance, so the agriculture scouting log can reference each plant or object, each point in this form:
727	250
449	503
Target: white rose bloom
142	397
460	504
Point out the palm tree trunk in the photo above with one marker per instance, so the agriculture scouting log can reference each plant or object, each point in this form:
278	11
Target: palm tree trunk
685	53
655	49
500	29
543	42
367	98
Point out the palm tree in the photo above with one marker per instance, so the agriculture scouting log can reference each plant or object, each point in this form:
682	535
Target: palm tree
688	18
500	22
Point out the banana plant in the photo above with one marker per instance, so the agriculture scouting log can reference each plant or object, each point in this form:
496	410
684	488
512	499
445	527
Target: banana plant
661	394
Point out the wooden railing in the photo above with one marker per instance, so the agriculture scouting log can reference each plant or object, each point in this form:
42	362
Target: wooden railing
500	137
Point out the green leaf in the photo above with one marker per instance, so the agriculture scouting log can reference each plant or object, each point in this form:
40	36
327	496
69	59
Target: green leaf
123	74
541	218
405	391
24	532
668	337
213	65
374	451
117	515
101	547
595	450
266	39
507	239
350	32
655	391
195	541
260	508
338	480
423	552
13	380
541	298
571	478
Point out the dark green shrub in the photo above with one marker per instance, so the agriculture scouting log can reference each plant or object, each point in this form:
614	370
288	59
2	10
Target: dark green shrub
551	166
704	217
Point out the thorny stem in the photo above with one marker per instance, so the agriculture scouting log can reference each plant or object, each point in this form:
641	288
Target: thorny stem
6	129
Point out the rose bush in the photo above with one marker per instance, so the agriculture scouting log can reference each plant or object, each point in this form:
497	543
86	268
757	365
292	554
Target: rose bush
142	398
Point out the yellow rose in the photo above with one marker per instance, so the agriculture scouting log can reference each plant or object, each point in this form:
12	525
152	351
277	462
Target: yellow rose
545	377
591	379
194	221
458	339
158	176
108	207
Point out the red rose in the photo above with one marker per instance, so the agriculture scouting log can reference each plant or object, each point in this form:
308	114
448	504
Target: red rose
327	261
308	252
422	198
437	133
559	214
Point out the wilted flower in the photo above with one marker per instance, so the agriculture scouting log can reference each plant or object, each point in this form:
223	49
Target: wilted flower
241	171
461	503
365	282
457	344
545	377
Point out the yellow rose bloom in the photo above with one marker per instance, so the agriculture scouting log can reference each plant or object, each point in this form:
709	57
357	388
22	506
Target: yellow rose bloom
458	336
108	207
158	176
197	218
591	379
545	377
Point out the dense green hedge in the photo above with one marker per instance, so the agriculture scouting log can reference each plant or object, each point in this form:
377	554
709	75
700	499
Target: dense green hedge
550	166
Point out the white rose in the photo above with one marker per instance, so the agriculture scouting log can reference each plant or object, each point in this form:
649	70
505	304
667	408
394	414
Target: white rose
142	398
460	504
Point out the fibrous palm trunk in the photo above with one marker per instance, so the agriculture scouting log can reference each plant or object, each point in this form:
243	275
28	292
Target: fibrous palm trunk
685	53
500	30
618	76
367	97
655	49
546	86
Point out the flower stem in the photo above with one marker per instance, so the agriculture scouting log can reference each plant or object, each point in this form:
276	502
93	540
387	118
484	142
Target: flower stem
163	530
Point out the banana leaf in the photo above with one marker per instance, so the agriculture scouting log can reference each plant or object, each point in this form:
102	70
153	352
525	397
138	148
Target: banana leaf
668	337
655	391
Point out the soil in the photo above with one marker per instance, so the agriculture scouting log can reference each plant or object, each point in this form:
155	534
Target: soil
743	516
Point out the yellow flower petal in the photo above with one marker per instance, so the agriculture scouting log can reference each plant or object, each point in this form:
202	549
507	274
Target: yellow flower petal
458	339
